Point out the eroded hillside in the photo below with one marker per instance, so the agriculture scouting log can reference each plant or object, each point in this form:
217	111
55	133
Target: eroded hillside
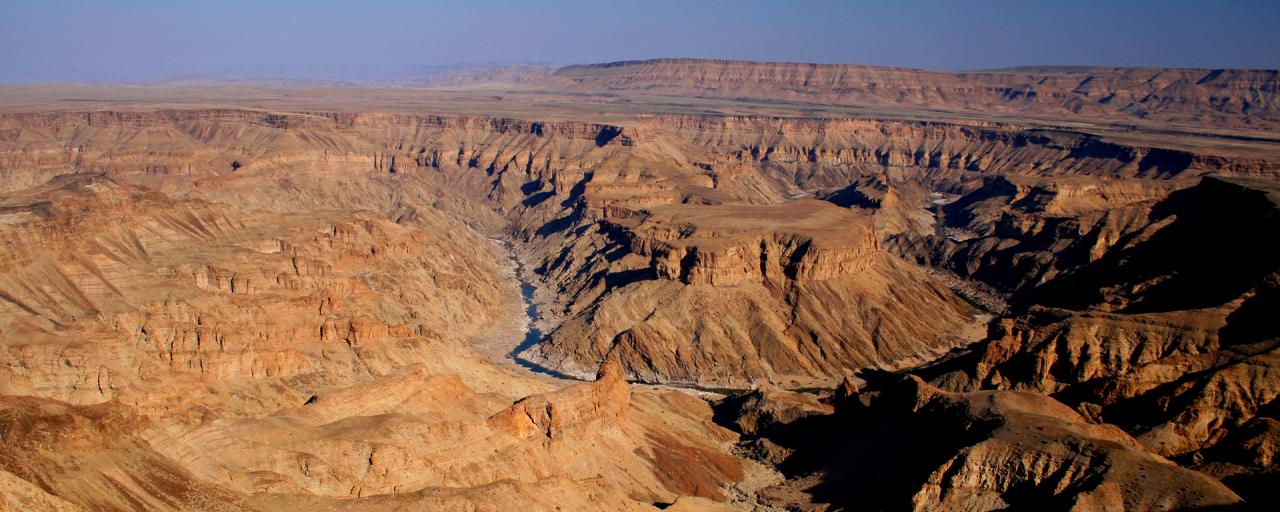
258	308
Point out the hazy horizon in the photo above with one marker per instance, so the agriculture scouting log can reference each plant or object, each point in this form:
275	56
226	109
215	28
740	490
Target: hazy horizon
143	41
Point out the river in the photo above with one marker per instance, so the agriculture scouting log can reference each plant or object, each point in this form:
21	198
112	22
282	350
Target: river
532	334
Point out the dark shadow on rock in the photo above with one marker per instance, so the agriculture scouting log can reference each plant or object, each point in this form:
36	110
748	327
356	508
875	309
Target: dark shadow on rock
560	224
1217	244
623	278
848	197
537	199
530	187
607	134
1260	491
578	188
873	452
1254	320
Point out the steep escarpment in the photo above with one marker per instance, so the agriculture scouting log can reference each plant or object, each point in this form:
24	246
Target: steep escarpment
1121	245
1238	98
1230	219
714	245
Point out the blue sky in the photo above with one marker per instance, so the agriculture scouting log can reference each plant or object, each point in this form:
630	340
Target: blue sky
140	40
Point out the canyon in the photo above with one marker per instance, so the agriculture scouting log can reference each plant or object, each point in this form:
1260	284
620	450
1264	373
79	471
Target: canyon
673	284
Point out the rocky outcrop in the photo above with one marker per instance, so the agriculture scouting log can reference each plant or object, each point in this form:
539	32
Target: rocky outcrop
1246	461
601	404
97	458
1076	464
762	412
1169	378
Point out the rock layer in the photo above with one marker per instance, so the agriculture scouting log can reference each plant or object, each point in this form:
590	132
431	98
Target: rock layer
1199	96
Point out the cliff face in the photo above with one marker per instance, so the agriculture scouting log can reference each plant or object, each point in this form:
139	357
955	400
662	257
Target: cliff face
175	148
604	402
1239	98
